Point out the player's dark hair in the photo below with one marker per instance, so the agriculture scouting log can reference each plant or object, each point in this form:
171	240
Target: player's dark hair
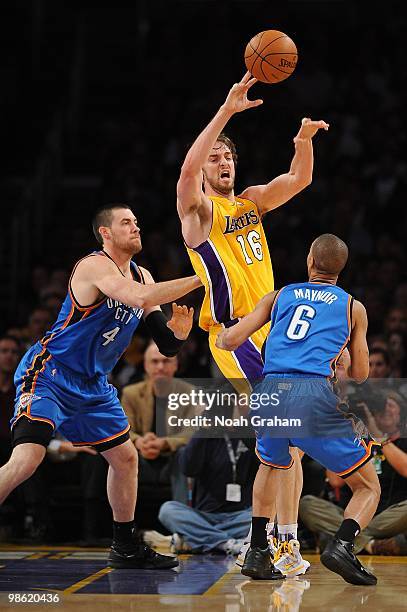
103	218
330	254
382	352
230	144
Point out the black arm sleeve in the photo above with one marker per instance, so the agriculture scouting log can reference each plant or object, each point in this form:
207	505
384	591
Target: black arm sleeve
167	343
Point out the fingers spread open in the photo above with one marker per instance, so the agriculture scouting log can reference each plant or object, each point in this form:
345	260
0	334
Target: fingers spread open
250	83
246	77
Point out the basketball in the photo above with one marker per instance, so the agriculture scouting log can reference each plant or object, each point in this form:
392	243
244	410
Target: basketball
271	56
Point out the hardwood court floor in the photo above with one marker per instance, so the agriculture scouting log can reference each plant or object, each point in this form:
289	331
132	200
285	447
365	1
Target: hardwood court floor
212	583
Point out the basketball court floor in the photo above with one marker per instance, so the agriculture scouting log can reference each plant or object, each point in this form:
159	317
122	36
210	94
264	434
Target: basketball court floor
82	581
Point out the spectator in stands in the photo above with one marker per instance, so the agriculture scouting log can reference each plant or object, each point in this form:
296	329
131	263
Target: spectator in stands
38	491
395	320
53	293
32	497
59	279
378	341
148	424
10	353
380	372
39	322
387	532
129	370
223	470
379	364
52	299
397	354
39	280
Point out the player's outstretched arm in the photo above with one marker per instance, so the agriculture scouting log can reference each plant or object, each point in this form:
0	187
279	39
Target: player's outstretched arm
358	349
144	296
229	339
169	335
102	274
189	188
286	186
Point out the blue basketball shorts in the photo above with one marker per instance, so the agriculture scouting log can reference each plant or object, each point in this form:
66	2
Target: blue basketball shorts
306	413
85	411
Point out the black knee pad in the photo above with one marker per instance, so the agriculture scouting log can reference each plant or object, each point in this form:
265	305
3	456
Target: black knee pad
104	446
35	432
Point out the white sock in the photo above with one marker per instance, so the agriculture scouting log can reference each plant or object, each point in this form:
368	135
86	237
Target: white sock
287	532
249	535
270	529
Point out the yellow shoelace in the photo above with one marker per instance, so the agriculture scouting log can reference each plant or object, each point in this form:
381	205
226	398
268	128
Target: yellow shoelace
282	548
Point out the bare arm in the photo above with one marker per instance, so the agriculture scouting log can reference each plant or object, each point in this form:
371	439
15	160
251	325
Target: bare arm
149	280
358	349
229	339
101	274
286	186
190	197
396	457
194	207
180	322
189	187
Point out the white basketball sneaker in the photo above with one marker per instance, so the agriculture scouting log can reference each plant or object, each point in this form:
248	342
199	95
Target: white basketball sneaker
288	559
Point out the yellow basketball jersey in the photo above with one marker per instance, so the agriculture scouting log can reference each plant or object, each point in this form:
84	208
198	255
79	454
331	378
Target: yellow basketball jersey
233	263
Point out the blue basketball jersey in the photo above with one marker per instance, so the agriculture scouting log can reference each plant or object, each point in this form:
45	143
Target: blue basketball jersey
89	340
310	326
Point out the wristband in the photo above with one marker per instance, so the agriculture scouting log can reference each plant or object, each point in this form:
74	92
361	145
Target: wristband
167	343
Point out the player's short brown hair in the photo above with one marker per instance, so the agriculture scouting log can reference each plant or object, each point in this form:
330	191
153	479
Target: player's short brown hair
103	218
330	254
230	144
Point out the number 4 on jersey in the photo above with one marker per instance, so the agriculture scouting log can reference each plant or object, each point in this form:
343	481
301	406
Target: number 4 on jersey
299	325
110	335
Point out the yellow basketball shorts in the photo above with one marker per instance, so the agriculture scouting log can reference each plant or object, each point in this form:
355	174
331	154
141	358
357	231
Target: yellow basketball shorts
244	366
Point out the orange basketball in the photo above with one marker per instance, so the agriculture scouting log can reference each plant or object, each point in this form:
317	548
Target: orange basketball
271	56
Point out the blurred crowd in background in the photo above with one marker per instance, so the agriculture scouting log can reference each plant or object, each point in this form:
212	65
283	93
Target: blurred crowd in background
134	91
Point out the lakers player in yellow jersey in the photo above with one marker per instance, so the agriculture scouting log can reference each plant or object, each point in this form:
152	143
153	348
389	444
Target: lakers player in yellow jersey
228	248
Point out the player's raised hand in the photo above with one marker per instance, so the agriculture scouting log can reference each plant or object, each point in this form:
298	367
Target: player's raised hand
309	128
181	321
237	99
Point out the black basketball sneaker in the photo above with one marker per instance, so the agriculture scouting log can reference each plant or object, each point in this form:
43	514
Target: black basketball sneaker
258	564
338	556
138	556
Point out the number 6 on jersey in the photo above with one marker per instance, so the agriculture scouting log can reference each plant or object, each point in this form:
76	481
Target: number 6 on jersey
299	326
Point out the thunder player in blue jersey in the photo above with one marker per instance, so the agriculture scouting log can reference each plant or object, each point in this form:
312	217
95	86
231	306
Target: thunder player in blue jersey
62	382
312	324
